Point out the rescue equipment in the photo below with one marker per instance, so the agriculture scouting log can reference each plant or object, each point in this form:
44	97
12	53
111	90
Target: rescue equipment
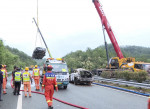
40	50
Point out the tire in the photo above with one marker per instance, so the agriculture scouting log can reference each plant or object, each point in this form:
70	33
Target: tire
65	87
89	83
75	81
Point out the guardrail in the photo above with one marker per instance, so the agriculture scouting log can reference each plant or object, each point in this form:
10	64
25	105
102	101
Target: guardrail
122	82
123	89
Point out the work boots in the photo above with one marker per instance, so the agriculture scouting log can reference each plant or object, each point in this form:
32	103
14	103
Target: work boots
30	95
25	95
50	107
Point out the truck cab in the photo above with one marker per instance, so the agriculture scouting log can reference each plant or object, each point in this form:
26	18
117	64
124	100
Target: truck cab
60	70
138	66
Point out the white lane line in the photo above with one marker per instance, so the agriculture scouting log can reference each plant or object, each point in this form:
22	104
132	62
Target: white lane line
19	104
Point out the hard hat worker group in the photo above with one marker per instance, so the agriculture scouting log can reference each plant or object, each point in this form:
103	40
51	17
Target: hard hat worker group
25	77
18	76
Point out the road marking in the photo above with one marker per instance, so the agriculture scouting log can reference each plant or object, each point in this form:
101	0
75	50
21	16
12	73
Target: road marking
19	104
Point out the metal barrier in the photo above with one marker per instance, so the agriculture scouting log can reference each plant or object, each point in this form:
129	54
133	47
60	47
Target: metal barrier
129	83
122	89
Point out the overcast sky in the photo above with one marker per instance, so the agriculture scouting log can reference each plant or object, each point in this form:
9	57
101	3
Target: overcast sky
70	25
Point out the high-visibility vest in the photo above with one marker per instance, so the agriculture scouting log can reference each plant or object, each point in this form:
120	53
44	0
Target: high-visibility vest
36	72
17	76
64	70
4	74
26	76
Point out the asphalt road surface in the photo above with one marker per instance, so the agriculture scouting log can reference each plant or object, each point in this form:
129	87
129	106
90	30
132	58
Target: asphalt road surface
92	97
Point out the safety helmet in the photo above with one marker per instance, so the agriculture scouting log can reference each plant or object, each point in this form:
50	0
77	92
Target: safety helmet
36	66
49	67
5	66
26	69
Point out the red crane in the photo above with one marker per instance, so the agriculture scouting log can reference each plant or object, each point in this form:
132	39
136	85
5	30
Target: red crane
110	33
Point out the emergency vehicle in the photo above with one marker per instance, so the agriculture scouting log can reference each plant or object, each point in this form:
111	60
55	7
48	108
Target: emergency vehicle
60	70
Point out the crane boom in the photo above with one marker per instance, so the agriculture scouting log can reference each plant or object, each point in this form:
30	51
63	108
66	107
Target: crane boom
110	33
43	39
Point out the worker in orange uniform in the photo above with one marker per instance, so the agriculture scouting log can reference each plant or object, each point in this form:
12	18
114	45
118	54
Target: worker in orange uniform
6	73
4	79
49	81
26	78
36	77
1	81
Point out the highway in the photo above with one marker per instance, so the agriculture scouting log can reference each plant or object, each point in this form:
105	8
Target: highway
92	97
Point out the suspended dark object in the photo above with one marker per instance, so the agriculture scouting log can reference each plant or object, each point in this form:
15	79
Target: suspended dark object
39	53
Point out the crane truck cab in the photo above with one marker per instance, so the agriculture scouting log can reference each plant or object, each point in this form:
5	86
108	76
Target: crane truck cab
138	66
60	70
116	62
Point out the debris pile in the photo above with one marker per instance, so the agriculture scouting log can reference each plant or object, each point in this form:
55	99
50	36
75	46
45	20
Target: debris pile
39	53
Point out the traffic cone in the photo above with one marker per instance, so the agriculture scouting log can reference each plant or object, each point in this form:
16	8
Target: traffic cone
148	102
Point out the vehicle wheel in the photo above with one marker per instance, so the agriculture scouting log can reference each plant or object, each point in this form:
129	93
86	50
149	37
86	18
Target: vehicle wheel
75	82
89	83
65	87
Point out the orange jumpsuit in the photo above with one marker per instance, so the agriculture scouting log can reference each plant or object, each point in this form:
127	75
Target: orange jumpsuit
4	80
26	81
6	74
36	77
49	81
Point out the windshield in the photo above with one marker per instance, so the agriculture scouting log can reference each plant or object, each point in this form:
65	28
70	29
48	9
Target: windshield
58	67
146	66
141	66
86	74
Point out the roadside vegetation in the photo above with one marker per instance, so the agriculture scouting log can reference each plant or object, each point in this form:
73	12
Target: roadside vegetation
126	75
96	58
12	56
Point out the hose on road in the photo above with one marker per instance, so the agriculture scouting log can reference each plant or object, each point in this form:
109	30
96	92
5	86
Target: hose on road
53	98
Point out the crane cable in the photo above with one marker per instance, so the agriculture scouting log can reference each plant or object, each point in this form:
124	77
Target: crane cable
37	24
38	21
37	34
38	31
37	14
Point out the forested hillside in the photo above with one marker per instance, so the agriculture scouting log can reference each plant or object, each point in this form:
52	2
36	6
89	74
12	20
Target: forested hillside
96	58
12	56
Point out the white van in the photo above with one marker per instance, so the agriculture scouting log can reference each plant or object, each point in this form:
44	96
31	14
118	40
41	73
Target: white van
60	70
